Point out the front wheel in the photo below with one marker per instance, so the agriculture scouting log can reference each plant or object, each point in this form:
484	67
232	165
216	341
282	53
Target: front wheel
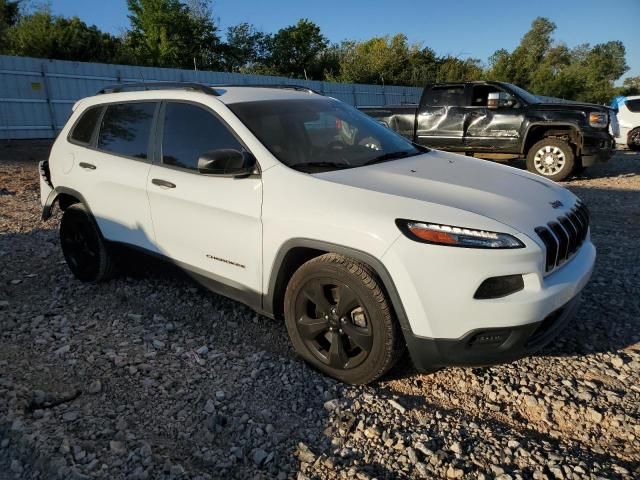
634	140
552	158
83	247
339	320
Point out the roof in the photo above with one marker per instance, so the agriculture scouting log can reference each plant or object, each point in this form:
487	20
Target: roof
236	94
227	94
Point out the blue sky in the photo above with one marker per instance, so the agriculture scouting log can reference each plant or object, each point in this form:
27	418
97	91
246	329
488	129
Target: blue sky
464	28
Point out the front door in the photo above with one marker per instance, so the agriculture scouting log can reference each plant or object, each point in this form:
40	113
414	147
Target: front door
440	117
495	129
209	224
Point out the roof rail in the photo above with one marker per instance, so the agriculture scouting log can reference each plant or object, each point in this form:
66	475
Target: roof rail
286	86
132	87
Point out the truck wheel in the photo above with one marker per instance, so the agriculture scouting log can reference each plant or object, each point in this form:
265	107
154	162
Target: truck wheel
83	247
551	158
633	140
339	320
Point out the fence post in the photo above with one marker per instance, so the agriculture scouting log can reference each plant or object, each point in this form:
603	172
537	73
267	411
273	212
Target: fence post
47	93
355	97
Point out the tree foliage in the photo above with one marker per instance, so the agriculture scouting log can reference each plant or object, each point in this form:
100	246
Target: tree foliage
539	64
44	35
169	33
183	34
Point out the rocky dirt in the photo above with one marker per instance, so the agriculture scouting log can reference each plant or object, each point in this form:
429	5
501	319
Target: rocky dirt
149	376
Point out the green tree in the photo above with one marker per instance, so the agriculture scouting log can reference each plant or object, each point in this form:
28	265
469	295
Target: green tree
631	86
582	73
245	47
452	69
169	33
43	35
388	60
9	14
296	51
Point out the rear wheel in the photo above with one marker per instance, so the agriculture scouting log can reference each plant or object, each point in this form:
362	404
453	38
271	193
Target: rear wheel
83	246
633	140
339	320
552	158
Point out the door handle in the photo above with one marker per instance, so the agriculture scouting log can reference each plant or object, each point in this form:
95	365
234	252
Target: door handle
163	183
88	166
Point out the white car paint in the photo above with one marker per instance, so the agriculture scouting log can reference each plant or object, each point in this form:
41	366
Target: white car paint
248	221
627	119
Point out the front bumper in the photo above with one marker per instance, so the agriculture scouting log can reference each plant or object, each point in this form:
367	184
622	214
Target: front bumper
597	148
447	326
489	346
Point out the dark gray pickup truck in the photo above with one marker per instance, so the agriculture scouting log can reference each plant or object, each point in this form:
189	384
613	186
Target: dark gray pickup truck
489	118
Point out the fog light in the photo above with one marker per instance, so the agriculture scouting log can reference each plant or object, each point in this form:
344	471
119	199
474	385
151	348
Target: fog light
496	287
489	338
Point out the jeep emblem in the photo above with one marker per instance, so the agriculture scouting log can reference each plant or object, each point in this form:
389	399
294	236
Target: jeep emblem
556	204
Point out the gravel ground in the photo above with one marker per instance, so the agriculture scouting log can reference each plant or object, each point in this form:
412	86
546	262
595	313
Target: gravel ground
149	376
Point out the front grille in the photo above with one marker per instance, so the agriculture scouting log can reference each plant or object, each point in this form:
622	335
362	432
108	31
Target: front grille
563	237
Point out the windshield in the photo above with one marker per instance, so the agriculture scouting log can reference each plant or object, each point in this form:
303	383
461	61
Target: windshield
321	134
522	93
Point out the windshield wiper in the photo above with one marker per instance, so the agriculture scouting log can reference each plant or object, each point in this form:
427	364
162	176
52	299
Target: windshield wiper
321	164
391	156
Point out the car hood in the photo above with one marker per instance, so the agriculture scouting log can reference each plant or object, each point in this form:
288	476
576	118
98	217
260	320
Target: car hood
508	195
576	107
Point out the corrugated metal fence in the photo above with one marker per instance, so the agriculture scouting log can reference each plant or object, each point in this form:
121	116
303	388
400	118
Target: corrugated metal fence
36	95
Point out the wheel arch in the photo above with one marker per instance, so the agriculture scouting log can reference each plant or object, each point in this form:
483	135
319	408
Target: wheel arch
64	197
295	252
537	131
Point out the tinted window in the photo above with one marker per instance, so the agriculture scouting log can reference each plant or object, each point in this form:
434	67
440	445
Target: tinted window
321	133
190	131
445	96
125	129
633	105
83	130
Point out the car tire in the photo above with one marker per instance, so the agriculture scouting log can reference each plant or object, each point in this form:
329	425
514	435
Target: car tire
633	140
339	319
551	158
83	247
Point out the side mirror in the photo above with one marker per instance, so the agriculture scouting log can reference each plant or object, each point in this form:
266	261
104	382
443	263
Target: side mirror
500	100
493	100
227	162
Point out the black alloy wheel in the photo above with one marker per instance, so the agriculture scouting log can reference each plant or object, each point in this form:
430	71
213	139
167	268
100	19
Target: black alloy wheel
339	319
333	323
83	247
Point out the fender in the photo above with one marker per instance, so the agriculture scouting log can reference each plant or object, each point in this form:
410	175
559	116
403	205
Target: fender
550	125
373	262
53	196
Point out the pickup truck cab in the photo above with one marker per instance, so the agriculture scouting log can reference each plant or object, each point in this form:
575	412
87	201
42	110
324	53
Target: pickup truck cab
557	139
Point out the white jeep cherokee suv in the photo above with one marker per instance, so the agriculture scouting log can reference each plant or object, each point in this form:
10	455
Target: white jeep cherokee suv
305	209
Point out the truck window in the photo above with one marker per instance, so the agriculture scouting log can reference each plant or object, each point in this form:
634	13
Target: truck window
481	93
480	96
441	96
633	105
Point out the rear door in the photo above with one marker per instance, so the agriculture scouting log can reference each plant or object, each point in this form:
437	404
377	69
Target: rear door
440	117
209	224
495	129
112	166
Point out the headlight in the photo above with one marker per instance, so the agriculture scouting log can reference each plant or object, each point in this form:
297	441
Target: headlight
598	120
456	236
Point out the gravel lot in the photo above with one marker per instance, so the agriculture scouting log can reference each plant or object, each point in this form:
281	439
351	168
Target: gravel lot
149	376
